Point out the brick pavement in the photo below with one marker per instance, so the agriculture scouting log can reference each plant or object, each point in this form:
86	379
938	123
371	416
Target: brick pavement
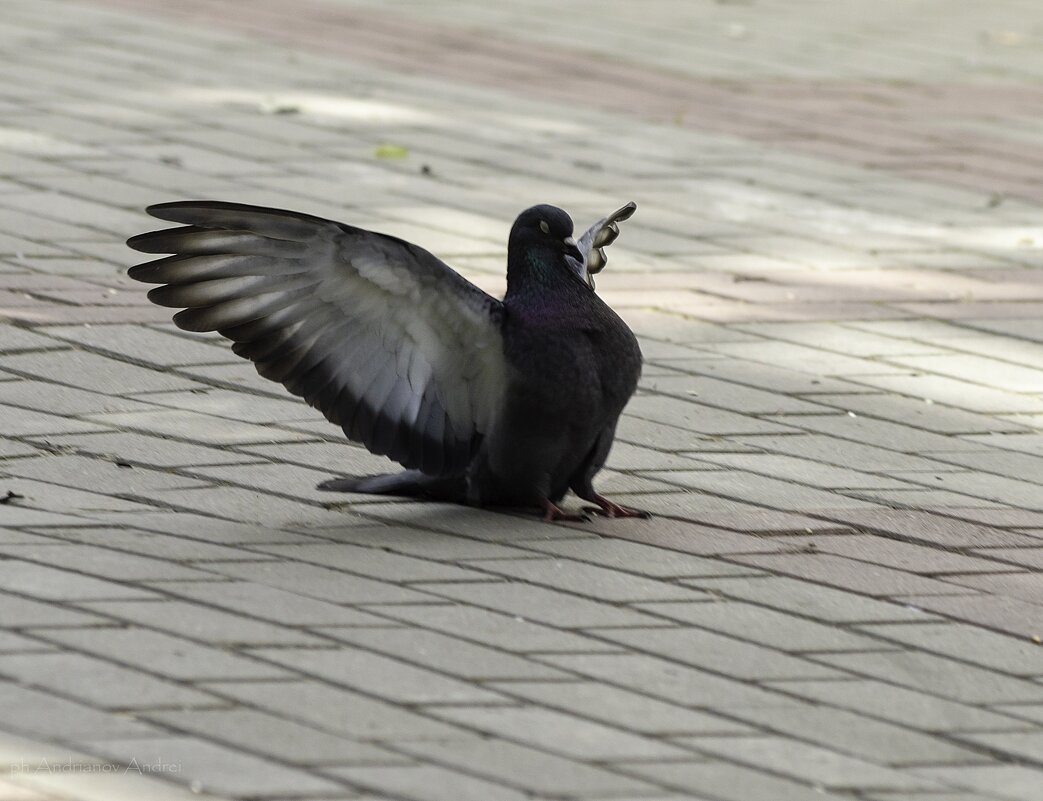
835	274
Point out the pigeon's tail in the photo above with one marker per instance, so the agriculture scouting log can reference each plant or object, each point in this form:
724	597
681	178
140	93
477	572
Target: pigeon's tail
410	483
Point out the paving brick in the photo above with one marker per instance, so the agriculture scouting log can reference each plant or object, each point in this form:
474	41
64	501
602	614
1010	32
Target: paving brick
1026	745
1006	463
140	344
838	338
271	603
804	359
46	715
712	651
48	583
751	487
238	504
592	581
697	417
1025	586
163	654
18	339
637	557
909	557
561	733
621	708
16	643
10	448
464	522
338	710
28	613
378	675
803	471
1005	614
215	768
237	406
110	687
831	450
763	626
66	502
731	396
725	780
627	456
881	433
145	543
27	423
510	632
1006	654
16	750
668	680
104	563
541	605
837	571
858	735
1000	489
1016	557
99	784
67	400
1016	782
773	377
924	526
194	426
1002	375
200	622
917	411
939	676
211	529
17	515
429	782
97	475
532	770
448	654
322	583
429	544
372	562
965	395
808	600
911	708
819	766
93	372
905	796
144	449
1027	443
276	737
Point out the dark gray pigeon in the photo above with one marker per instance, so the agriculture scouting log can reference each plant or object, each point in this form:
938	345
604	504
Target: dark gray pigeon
483	402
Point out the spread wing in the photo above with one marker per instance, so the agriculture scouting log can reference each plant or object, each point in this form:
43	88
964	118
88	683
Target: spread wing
599	236
383	338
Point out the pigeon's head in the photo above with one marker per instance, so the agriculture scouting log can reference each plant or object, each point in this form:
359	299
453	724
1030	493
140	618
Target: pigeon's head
545	228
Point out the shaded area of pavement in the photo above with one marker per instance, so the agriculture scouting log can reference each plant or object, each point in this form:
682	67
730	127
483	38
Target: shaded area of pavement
835	274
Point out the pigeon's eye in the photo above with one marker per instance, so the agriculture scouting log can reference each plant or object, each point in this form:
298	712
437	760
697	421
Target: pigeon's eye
544	227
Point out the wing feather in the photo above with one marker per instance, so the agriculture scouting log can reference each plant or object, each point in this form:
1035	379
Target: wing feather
382	337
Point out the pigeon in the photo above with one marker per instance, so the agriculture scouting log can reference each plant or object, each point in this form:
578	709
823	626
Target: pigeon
483	402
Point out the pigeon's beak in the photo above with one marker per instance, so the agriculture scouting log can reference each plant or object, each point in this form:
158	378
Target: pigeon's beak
572	249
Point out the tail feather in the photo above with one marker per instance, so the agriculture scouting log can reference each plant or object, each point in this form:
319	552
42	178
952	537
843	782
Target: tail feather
409	483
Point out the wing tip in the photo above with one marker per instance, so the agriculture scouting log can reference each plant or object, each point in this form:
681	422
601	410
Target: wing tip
162	211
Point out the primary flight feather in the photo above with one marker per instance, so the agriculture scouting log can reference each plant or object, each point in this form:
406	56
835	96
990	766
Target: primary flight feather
484	402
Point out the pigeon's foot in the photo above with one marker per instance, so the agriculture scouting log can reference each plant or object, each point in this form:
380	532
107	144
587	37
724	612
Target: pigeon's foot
611	509
553	513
